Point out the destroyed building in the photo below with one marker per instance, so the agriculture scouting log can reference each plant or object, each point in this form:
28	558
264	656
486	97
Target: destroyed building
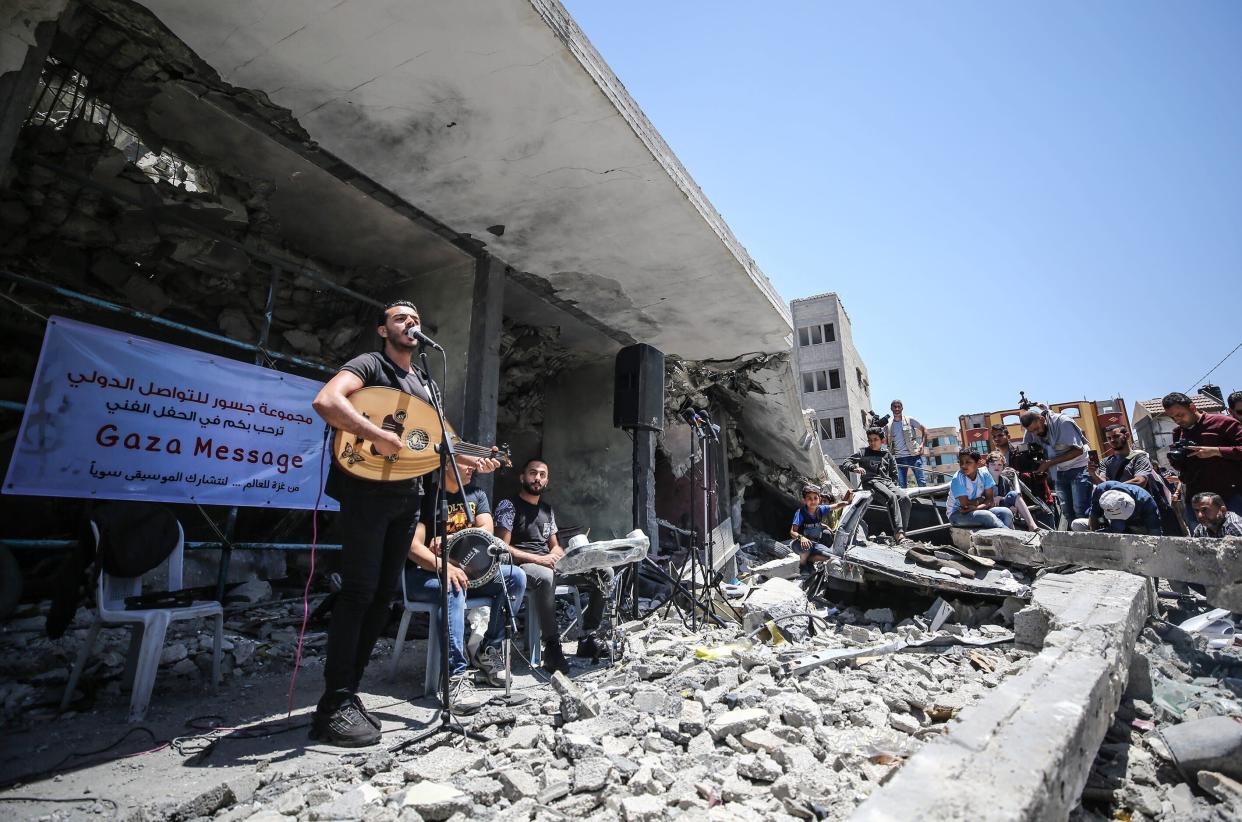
251	179
254	184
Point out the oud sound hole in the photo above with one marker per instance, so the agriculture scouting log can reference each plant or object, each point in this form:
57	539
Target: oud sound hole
417	440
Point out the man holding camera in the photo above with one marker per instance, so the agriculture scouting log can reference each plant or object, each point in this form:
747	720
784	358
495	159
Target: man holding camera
1207	450
1065	451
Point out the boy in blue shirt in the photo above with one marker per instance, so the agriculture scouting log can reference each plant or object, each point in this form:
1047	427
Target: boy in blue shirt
811	530
972	496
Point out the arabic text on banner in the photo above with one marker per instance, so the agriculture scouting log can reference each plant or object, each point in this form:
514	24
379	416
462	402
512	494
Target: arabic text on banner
114	416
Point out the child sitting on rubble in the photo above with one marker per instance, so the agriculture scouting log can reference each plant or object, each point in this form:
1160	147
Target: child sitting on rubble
811	530
972	496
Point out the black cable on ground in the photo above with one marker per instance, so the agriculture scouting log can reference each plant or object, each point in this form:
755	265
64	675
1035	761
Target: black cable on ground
50	771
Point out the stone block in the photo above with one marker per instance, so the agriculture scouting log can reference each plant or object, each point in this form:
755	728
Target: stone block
1024	751
1215	562
738	722
435	801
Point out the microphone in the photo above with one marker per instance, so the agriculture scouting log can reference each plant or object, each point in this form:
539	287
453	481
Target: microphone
415	334
497	550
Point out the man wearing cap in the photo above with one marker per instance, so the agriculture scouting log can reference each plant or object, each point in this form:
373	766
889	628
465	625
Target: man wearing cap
1121	508
1065	463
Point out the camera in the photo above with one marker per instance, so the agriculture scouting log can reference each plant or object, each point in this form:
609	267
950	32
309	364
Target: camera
877	421
1177	453
1023	403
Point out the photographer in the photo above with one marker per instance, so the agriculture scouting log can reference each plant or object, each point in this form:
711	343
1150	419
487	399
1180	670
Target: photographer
1024	460
1207	450
1065	463
878	470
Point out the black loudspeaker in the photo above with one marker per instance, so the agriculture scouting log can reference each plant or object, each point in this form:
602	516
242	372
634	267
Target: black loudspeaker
638	391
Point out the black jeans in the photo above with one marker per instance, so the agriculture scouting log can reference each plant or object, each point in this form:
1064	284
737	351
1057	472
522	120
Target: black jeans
541	583
895	499
376	532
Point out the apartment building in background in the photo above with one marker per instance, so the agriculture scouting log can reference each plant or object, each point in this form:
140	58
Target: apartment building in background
941	458
831	374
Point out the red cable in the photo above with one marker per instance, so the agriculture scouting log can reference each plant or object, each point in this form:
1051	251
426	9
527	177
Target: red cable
297	658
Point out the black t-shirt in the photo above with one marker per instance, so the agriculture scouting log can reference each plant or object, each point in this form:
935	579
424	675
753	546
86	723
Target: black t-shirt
374	368
474	498
530	526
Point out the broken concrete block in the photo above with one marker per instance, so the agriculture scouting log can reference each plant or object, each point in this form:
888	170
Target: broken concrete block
592	774
738	722
575	703
880	616
517	784
1024	751
939	612
762	740
642	808
693	719
433	800
349	805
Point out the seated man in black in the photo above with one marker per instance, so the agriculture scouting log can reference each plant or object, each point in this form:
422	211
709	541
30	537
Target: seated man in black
528	526
878	470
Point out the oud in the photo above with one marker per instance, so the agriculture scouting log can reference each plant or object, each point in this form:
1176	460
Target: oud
413	420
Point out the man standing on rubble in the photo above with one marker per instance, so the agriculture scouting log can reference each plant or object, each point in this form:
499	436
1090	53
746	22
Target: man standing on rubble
1210	453
906	439
1065	458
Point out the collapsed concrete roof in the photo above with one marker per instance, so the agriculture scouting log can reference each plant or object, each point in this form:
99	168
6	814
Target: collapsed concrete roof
487	115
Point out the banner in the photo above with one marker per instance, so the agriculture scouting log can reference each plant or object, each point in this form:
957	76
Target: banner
114	416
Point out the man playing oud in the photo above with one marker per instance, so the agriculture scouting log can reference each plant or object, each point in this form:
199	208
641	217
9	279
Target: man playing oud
377	526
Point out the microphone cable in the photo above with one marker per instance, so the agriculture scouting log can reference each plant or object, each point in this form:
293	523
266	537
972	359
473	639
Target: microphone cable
297	657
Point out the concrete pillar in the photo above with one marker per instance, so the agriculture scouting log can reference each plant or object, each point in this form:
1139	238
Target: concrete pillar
478	424
25	41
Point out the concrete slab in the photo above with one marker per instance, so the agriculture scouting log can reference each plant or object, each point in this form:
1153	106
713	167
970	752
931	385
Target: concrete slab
1216	563
1004	544
891	563
1024	752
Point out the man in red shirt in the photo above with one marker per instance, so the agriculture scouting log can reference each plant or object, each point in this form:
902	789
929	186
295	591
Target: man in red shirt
1214	462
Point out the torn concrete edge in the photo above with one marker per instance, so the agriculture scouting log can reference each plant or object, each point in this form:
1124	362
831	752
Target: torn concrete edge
1216	563
1025	750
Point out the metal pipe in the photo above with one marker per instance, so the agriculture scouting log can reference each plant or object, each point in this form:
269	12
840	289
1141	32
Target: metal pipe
142	315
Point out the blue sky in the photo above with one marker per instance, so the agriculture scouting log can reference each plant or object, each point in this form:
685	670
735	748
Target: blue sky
1042	196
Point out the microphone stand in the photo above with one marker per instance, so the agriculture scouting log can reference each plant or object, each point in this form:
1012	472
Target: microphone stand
440	527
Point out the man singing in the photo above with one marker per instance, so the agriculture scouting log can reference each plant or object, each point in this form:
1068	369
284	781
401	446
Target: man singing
377	527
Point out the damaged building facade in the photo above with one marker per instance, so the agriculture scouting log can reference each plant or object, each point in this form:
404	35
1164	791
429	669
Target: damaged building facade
270	173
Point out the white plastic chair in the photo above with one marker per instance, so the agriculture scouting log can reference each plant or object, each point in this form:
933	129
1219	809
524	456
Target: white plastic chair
149	625
432	610
534	646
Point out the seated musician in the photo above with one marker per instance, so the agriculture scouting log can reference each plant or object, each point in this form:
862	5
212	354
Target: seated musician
528	525
422	583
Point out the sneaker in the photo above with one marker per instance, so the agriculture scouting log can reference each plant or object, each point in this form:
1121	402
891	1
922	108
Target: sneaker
375	723
554	657
465	699
346	727
491	662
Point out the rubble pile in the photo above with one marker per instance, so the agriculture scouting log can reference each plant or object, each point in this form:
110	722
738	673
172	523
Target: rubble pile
259	637
1176	683
685	723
